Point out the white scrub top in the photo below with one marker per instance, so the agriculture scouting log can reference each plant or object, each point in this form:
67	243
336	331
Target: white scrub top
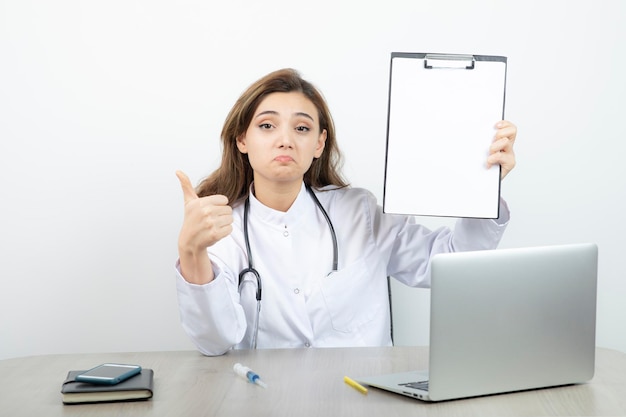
302	304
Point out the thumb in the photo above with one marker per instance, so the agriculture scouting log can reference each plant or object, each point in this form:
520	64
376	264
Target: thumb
189	193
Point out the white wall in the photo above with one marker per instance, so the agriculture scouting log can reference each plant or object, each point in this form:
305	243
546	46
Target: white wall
100	102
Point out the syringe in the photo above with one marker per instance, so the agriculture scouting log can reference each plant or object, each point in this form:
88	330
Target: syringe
248	374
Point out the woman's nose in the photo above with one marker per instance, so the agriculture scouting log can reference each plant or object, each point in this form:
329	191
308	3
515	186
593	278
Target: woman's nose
285	138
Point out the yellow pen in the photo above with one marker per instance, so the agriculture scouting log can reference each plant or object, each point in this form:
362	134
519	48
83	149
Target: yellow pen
355	385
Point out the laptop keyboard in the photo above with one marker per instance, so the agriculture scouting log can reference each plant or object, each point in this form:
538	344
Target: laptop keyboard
421	385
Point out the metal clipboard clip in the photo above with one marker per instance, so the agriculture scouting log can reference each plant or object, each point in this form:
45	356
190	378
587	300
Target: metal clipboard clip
448	61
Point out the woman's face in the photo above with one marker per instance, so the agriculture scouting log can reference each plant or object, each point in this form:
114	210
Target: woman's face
283	138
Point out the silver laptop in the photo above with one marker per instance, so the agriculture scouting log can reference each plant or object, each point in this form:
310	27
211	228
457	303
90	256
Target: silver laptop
506	320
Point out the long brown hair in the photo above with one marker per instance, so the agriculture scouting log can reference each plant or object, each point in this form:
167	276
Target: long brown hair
234	176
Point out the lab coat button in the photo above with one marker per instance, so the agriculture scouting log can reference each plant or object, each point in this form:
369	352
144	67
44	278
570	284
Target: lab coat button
307	344
285	233
296	290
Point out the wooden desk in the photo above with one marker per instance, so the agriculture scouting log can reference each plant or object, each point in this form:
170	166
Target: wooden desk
302	382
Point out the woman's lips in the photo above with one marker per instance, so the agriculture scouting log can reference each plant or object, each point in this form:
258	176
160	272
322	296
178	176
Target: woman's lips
283	158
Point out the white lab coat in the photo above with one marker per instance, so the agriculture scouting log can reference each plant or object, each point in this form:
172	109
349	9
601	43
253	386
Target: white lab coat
302	305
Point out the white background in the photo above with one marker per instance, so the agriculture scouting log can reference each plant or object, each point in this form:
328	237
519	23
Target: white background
101	101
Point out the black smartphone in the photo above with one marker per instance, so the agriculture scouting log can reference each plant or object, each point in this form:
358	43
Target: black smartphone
108	373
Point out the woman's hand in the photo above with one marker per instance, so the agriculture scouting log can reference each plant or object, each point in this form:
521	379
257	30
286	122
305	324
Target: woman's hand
501	150
206	221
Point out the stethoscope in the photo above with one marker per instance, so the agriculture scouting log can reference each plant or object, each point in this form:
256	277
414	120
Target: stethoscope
257	276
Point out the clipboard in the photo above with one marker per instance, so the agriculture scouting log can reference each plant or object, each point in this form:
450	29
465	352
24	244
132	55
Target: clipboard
440	123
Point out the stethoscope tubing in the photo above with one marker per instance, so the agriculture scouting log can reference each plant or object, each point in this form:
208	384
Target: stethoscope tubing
257	276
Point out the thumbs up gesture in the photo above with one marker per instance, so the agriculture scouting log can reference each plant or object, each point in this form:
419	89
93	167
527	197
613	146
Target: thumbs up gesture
206	221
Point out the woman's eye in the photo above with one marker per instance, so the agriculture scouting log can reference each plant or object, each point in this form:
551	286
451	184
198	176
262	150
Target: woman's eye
302	129
265	126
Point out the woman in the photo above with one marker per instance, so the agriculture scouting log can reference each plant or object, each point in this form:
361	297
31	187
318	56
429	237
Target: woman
320	250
